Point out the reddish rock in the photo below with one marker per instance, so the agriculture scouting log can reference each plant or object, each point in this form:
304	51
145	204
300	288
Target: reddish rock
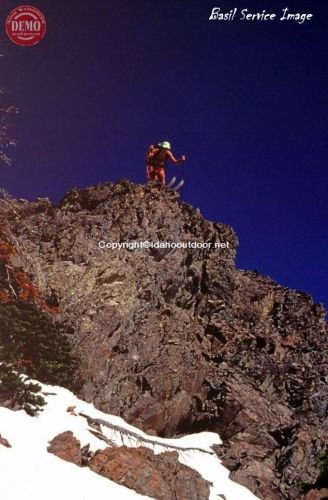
158	476
4	442
72	410
317	494
67	447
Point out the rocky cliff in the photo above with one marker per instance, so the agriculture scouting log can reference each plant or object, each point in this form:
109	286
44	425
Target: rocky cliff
177	340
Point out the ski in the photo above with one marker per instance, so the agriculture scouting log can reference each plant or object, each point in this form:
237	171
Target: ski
172	181
179	185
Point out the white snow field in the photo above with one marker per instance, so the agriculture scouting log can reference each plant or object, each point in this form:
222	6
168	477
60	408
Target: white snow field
29	472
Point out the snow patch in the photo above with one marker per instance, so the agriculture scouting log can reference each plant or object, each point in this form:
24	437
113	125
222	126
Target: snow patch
29	471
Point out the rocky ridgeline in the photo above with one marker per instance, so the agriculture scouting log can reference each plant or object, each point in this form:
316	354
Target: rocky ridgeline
179	340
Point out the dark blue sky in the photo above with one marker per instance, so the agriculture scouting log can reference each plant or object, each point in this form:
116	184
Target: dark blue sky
245	102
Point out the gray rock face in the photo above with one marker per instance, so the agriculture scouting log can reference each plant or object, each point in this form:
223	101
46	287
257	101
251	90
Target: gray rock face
178	340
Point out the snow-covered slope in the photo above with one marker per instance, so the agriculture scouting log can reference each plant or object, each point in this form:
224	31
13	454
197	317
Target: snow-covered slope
29	471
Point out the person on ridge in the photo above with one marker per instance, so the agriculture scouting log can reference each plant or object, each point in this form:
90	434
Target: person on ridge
156	160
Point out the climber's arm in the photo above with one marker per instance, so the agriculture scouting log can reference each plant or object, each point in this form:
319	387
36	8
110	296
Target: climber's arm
174	160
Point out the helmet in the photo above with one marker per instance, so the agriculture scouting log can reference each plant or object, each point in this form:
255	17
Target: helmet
165	144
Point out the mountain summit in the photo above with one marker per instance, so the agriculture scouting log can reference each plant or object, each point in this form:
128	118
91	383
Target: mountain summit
170	335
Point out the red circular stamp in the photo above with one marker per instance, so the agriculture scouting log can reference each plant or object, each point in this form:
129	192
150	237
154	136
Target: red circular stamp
26	25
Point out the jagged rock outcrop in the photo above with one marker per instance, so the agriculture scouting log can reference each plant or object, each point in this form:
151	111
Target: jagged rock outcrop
66	447
179	340
159	476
